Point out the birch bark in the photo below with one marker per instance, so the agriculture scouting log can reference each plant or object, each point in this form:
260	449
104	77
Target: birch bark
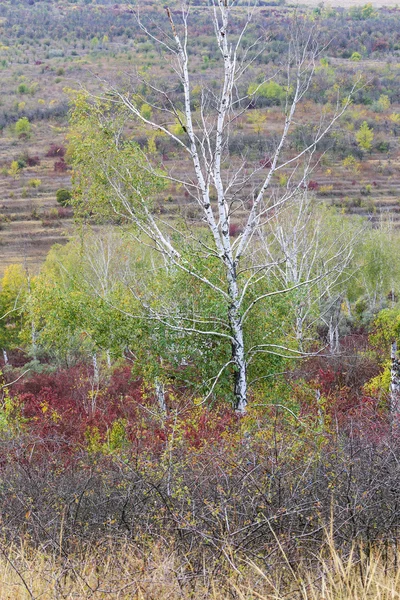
395	388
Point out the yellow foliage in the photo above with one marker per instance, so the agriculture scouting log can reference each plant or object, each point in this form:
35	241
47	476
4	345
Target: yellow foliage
283	180
151	144
380	383
14	169
351	163
14	279
325	189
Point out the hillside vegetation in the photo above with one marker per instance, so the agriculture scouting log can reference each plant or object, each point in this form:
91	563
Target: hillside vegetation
199	301
47	47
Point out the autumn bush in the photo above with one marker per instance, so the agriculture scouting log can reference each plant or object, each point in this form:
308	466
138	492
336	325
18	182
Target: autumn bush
56	150
77	410
60	166
239	492
96	458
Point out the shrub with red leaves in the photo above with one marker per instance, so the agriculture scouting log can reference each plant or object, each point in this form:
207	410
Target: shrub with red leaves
380	45
266	162
69	405
235	229
64	213
32	161
56	150
208	427
313	185
340	380
60	166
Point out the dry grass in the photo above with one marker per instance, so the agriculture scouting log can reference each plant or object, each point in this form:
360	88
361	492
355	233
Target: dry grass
129	573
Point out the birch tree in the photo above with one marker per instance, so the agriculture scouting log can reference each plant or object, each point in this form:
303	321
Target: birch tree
307	240
222	190
72	299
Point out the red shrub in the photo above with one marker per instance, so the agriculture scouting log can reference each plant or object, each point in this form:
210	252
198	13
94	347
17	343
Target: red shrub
56	150
340	380
313	185
60	166
380	44
33	161
207	427
235	229
266	162
64	213
63	408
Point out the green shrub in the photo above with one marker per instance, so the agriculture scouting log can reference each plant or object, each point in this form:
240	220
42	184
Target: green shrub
383	147
269	89
23	127
23	88
63	196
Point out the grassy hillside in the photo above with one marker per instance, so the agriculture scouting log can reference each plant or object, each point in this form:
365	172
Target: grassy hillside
48	47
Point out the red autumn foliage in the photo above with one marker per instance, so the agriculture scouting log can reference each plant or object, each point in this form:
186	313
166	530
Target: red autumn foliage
235	229
16	357
64	404
380	45
33	161
313	185
64	213
209	427
266	162
339	380
56	150
60	166
62	407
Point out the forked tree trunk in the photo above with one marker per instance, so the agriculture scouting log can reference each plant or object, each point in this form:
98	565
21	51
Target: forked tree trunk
395	389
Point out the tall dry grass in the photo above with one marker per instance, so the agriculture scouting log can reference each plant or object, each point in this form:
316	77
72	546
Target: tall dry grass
125	573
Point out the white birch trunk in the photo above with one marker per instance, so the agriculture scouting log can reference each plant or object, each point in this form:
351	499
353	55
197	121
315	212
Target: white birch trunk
33	339
333	336
395	388
5	357
299	327
96	373
160	395
239	361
